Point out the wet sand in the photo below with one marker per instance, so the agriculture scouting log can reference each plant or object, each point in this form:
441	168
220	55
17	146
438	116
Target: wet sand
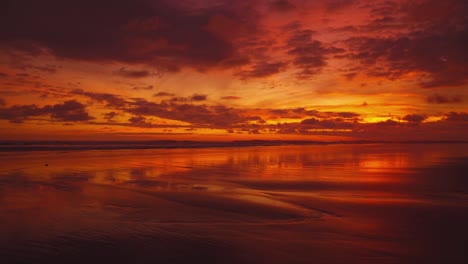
363	203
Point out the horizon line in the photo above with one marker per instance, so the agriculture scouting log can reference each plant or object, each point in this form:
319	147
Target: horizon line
57	145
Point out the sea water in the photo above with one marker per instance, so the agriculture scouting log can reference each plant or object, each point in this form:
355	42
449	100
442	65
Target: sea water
335	203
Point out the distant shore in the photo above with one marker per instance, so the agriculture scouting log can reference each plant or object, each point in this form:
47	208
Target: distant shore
170	144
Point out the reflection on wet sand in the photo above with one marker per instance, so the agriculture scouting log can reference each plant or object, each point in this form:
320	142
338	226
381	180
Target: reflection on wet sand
371	203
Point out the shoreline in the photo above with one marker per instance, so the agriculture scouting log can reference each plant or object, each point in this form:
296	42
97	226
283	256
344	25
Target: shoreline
13	146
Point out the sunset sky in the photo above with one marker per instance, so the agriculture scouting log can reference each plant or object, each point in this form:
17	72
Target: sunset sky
234	70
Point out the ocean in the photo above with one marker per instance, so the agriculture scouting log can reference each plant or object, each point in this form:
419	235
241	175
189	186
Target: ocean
176	202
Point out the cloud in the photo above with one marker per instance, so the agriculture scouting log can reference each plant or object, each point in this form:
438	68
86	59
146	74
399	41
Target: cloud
388	123
143	25
290	113
48	68
301	112
148	87
198	97
139	121
163	94
213	116
179	99
441	55
193	98
432	51
348	115
335	5
263	69
442	99
110	99
328	123
240	120
132	73
19	113
434	12
383	9
110	115
282	6
70	111
230	97
414	118
308	55
163	34
457	117
176	108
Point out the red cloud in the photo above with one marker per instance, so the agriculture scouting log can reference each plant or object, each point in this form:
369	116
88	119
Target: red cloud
71	111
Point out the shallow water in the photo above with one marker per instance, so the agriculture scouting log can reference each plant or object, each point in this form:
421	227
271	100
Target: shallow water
364	203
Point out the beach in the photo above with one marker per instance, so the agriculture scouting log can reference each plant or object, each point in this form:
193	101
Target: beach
332	203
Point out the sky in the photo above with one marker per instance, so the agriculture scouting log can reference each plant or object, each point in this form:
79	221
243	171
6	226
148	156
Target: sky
234	70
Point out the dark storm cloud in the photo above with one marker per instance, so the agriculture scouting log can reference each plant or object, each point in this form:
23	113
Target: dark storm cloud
442	99
70	111
158	33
